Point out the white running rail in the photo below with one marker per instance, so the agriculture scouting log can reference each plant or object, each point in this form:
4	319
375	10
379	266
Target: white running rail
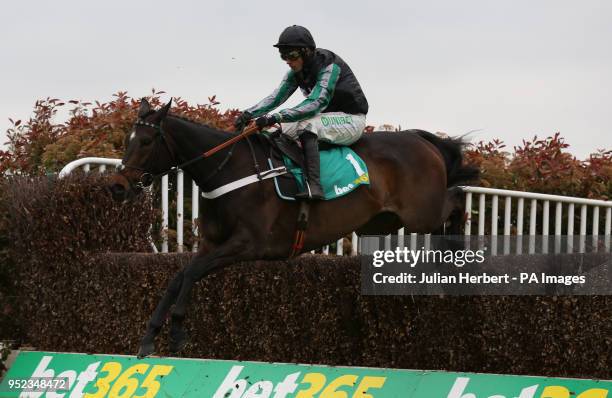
516	226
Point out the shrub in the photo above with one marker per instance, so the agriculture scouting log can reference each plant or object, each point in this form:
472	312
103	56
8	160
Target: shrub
40	146
543	165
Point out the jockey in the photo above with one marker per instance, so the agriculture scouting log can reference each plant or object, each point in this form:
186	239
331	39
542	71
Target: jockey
334	110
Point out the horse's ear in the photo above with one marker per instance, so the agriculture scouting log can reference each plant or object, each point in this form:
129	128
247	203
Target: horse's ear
145	107
166	108
161	114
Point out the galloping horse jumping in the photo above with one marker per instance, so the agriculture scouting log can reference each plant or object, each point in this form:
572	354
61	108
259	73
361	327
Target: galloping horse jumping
413	184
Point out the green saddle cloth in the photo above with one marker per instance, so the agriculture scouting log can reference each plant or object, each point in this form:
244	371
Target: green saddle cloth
342	170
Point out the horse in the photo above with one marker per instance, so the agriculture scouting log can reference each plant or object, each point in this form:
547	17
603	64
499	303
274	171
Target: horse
414	183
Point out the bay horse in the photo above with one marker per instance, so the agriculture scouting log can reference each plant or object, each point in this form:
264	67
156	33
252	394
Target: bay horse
413	184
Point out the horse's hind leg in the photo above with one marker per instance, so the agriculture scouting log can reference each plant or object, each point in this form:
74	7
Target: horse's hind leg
381	224
454	209
430	215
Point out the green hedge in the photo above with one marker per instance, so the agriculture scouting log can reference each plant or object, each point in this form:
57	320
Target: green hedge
310	310
47	225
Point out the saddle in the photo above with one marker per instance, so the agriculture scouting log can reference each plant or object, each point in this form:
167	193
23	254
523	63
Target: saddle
282	148
280	144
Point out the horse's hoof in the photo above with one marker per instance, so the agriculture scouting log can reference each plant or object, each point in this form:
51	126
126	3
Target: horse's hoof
177	342
146	349
177	346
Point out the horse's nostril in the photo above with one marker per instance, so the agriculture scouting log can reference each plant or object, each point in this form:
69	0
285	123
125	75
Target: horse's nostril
118	191
147	179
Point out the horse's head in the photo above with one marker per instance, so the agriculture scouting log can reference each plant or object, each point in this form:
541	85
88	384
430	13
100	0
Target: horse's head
147	153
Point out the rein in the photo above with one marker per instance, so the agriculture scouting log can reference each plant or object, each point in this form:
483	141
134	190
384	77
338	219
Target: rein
147	178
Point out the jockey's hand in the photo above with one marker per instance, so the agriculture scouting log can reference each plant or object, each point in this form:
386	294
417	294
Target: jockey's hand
266	121
242	120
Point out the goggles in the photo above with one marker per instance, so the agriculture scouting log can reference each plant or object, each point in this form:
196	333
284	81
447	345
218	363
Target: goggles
290	55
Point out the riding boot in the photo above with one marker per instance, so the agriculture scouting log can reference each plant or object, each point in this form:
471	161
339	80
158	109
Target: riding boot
312	168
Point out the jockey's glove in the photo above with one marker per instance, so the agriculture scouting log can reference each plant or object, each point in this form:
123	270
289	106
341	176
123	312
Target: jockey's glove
266	121
242	120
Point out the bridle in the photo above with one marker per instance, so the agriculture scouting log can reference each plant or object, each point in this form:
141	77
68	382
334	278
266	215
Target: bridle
146	178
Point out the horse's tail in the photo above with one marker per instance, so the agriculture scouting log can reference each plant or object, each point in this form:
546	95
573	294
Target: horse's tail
451	149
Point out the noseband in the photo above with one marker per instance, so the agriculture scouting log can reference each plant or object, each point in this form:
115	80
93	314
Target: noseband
146	178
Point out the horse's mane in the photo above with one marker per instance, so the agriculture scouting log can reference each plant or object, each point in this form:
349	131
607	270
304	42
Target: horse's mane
186	119
199	125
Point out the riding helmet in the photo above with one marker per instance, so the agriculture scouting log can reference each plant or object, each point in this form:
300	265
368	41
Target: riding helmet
295	36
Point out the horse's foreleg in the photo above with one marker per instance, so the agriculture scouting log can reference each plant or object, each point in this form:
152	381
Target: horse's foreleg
226	254
147	344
